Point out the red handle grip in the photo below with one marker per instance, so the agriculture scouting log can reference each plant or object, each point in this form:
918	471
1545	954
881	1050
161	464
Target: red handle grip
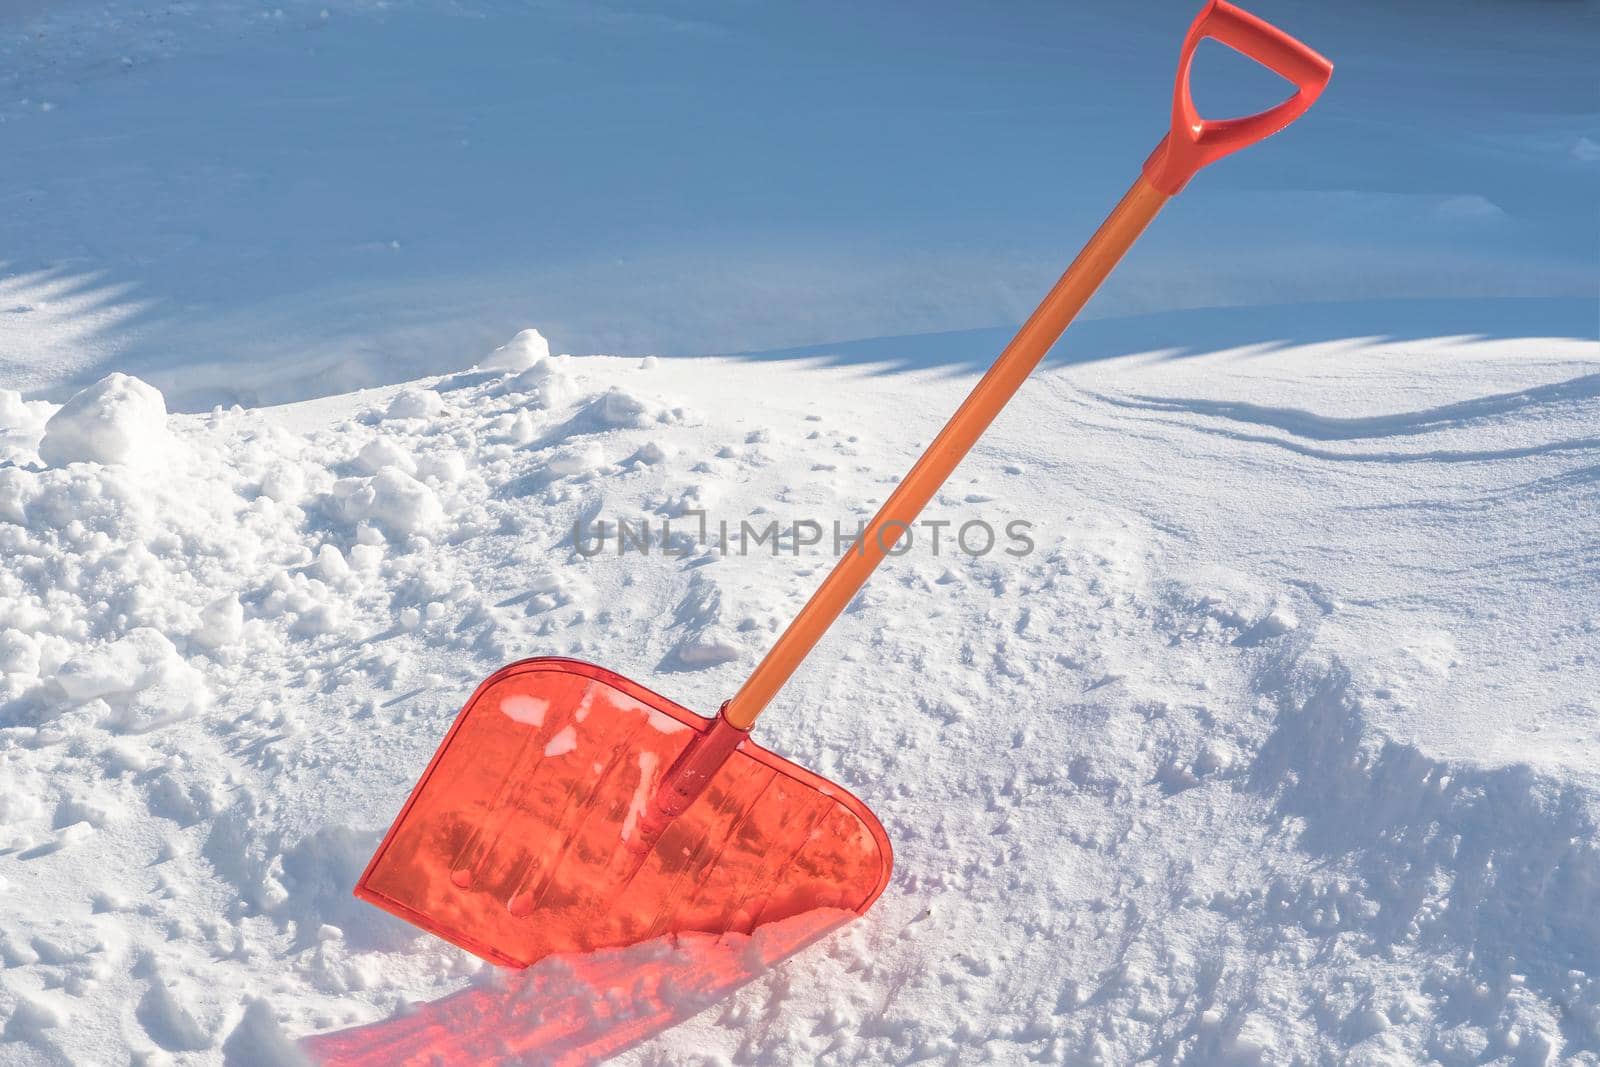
1195	141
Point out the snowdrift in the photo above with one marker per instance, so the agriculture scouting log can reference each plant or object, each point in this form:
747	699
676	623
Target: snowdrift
1278	744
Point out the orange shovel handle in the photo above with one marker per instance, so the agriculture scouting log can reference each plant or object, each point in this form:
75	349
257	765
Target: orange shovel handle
1193	143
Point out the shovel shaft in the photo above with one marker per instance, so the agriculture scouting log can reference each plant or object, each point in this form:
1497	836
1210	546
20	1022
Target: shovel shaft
894	519
1192	142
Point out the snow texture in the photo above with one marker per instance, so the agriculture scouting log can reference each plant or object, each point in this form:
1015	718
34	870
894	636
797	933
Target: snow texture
117	420
1280	745
521	353
245	202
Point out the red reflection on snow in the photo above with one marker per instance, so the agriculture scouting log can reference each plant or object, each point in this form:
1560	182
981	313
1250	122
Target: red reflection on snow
574	1010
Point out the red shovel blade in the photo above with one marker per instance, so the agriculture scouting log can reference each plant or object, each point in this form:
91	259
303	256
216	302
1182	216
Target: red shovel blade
524	836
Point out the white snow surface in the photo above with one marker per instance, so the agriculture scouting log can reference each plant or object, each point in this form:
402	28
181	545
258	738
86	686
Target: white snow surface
1280	746
119	419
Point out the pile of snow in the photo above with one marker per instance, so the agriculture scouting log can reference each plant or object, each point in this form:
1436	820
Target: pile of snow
521	353
543	384
415	404
117	420
391	498
14	411
140	678
1279	746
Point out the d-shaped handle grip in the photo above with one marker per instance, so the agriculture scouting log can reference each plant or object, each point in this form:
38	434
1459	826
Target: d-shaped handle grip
1195	141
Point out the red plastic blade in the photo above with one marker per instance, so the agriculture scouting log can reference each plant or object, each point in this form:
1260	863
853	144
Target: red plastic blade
516	842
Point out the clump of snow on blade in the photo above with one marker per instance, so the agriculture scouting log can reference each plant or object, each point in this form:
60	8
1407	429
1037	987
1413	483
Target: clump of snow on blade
530	711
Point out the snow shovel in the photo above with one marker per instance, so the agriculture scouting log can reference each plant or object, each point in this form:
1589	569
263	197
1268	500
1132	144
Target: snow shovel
570	809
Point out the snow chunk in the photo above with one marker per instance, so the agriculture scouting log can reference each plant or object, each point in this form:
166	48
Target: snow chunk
1278	621
562	743
617	409
381	452
14	490
415	404
662	723
571	460
527	710
258	1040
135	662
521	429
19	653
648	762
543	383
708	650
391	498
365	557
315	890
550	590
541	370
331	563
140	677
166	1013
706	642
36	1013
13	412
221	622
519	353
1254	1042
21	423
649	454
88	804
285	483
447	468
119	419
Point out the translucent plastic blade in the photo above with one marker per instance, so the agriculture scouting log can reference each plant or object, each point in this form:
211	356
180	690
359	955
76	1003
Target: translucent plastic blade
523	837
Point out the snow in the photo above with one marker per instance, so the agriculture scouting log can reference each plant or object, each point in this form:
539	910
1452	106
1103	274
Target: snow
525	709
415	404
562	743
248	203
391	498
381	452
117	420
522	353
1279	744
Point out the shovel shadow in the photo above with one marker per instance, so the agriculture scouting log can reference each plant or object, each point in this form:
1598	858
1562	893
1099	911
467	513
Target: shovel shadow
578	1009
